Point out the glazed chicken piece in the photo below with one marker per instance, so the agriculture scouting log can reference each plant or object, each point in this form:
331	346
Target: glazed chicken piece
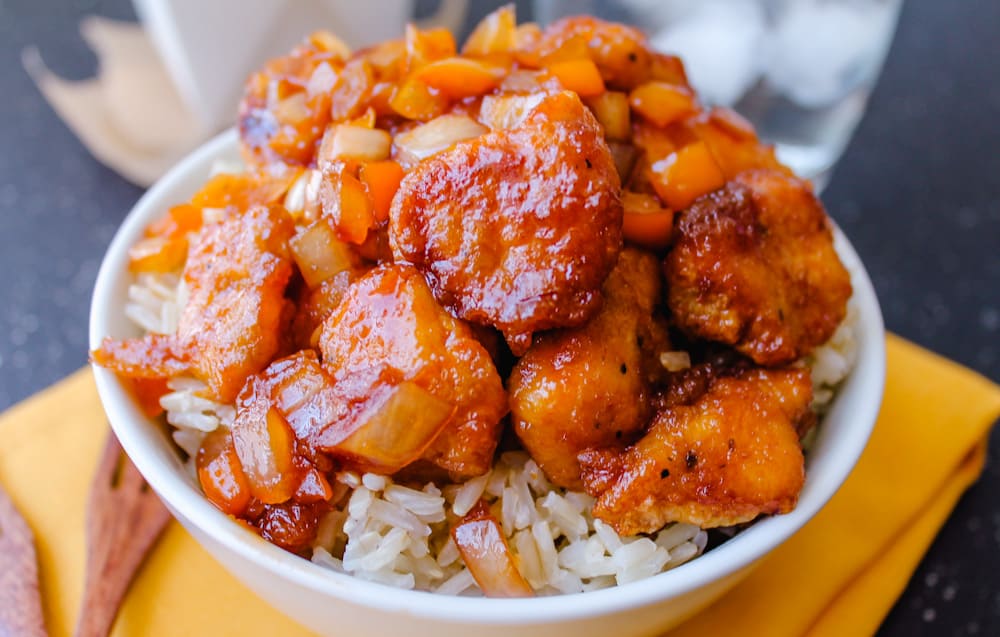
236	274
231	325
724	459
753	266
619	51
406	368
518	228
590	386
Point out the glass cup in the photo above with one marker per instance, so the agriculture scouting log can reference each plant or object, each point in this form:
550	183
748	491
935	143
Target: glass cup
800	70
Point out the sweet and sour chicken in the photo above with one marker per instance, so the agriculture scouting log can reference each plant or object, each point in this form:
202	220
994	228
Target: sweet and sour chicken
418	219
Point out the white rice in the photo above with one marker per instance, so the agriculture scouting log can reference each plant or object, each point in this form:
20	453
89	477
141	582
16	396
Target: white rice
397	535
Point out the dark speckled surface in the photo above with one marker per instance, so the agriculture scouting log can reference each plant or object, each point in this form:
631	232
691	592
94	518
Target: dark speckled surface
917	192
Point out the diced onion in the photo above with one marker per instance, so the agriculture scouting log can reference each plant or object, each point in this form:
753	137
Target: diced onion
435	136
320	254
264	444
507	111
675	361
484	550
292	110
322	80
345	141
396	428
494	34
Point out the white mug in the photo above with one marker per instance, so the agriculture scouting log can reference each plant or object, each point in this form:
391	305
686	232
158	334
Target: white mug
209	48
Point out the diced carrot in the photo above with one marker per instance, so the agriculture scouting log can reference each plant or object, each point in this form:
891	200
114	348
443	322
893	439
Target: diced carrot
686	175
580	75
662	103
413	99
178	221
424	47
667	68
243	190
733	123
646	221
611	109
460	77
381	178
220	474
157	254
148	392
366	119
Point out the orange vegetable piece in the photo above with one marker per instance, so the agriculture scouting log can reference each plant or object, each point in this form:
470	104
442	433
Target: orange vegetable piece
243	190
178	221
157	254
148	392
265	445
414	99
381	178
662	103
459	77
646	221
685	175
220	474
424	47
580	75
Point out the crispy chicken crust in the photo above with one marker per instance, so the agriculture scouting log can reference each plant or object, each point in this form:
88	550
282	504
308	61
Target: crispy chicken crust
388	329
724	459
236	274
516	229
754	267
590	386
231	327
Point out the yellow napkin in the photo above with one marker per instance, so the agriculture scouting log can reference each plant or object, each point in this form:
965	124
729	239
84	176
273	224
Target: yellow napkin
838	576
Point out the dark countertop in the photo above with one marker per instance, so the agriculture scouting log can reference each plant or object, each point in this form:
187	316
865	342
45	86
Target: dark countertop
918	192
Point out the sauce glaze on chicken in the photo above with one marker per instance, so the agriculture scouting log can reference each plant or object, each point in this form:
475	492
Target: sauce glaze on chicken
428	239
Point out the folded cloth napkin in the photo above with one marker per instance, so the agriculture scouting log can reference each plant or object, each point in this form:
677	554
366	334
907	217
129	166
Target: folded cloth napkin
838	576
129	116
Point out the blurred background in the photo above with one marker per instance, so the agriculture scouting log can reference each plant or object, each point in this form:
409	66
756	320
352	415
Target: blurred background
916	188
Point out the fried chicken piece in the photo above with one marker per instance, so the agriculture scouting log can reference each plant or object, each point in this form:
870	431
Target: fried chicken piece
619	51
518	228
231	326
388	330
753	266
236	274
590	386
729	456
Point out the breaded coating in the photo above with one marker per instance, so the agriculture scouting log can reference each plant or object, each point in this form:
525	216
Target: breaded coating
236	274
590	386
729	456
389	329
620	52
516	229
231	326
753	266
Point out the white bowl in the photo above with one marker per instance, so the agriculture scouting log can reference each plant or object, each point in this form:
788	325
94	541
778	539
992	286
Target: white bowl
336	604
